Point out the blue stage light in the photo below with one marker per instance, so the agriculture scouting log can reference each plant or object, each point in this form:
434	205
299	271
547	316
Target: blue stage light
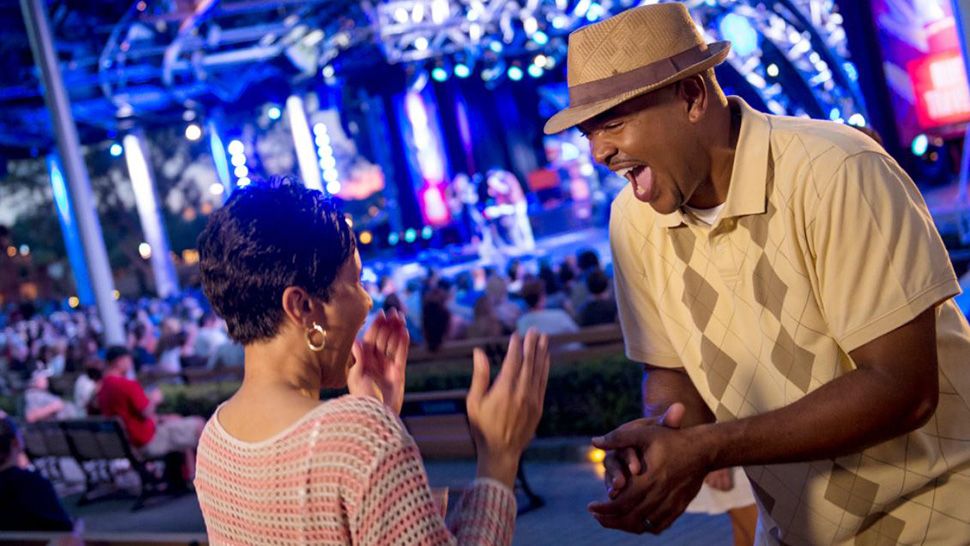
410	235
739	31
462	70
439	74
540	38
274	112
393	239
920	144
116	150
535	71
426	232
515	73
858	120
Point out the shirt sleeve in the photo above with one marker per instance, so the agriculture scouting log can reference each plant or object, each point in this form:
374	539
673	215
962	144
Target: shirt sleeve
643	331
397	507
136	396
879	260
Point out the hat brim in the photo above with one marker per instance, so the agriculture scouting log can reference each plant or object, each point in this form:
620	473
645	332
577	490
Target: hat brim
572	116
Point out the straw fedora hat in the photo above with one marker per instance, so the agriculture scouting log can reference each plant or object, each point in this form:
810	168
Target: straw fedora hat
632	53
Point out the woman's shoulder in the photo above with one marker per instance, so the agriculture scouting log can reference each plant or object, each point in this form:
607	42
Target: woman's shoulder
356	426
363	417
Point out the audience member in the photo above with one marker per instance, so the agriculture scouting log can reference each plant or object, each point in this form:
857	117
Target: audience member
40	404
151	434
28	501
601	307
547	321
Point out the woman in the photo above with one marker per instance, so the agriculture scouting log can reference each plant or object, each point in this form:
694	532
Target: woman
275	464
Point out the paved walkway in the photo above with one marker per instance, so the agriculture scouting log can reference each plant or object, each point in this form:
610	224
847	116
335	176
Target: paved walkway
566	488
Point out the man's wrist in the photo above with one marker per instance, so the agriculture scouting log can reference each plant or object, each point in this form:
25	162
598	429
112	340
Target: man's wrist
711	439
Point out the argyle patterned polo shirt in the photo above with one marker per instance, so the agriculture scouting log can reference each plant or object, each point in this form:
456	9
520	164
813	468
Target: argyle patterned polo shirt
824	244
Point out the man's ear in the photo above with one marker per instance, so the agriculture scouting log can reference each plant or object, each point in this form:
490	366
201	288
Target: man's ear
693	91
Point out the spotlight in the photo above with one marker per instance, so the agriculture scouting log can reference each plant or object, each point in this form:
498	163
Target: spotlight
145	250
462	70
328	71
740	32
858	120
515	73
193	132
366	238
440	74
217	188
333	187
535	71
920	144
116	150
73	302
540	38
274	112
236	147
426	232
772	70
420	43
393	239
410	235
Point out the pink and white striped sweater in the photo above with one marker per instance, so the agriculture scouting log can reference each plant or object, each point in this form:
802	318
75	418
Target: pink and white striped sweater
346	473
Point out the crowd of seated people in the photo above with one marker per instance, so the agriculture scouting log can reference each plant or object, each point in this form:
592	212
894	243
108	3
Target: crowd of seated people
484	302
39	346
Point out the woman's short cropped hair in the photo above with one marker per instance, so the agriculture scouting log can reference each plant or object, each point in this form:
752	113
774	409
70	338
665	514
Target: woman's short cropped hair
269	236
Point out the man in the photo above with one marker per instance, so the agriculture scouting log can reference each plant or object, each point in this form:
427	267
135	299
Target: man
28	502
125	398
783	283
601	307
40	404
547	321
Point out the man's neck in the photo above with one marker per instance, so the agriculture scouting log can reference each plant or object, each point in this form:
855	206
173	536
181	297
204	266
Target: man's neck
722	154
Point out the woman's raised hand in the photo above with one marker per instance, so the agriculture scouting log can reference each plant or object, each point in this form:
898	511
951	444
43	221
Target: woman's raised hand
504	417
380	360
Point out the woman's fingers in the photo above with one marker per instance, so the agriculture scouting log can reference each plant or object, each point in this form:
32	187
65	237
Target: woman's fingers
526	370
476	392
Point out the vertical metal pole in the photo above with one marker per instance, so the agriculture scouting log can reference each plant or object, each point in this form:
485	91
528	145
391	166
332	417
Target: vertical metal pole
146	201
68	222
79	186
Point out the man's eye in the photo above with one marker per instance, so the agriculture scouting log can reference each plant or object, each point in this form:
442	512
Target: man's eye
613	125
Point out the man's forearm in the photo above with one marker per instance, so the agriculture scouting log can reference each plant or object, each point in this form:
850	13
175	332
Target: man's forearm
847	415
662	387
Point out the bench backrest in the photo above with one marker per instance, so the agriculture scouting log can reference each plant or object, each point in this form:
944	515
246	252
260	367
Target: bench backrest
438	421
46	439
98	439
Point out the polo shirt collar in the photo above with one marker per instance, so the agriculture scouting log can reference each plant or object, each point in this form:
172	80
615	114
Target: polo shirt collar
749	175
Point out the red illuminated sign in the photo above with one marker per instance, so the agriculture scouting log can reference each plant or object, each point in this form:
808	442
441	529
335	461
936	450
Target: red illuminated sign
940	83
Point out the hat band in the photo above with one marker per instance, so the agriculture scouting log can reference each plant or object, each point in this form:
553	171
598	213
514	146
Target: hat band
658	71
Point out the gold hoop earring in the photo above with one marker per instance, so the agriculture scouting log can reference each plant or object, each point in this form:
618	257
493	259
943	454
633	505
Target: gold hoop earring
309	338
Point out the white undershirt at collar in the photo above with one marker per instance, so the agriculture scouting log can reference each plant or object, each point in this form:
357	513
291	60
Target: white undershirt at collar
708	216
